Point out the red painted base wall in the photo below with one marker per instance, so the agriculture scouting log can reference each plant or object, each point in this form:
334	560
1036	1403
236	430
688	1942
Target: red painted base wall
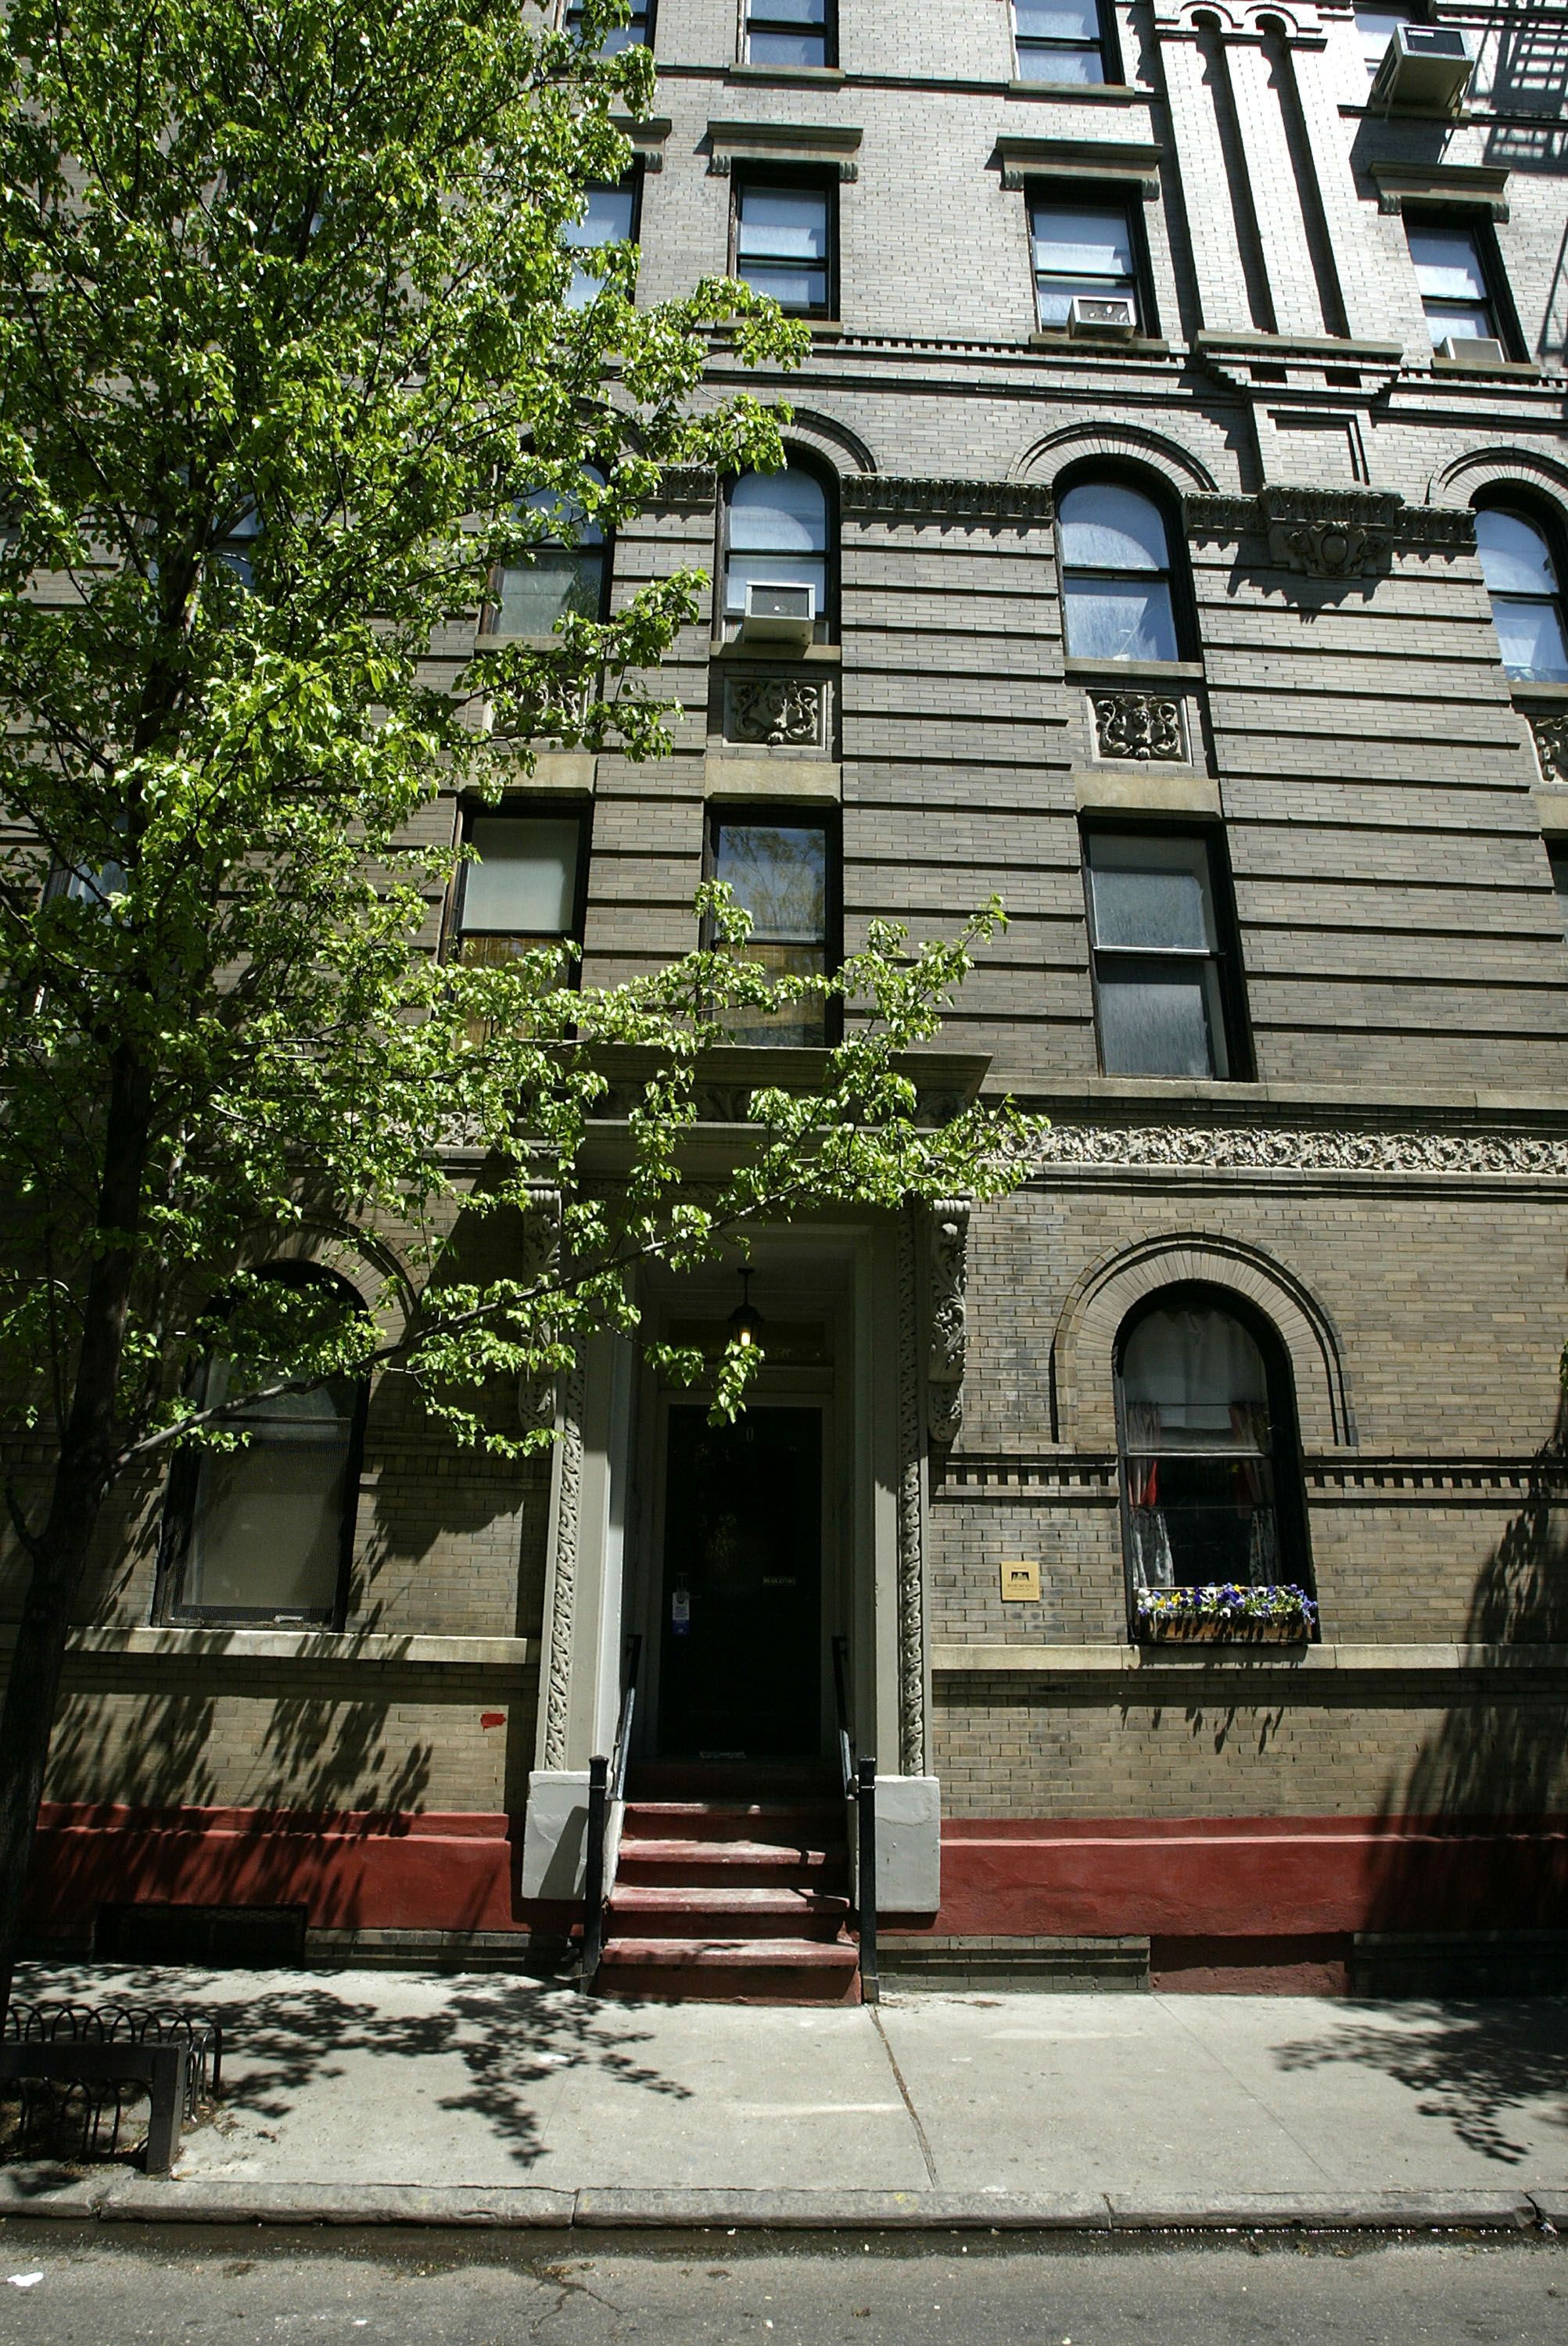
1238	1880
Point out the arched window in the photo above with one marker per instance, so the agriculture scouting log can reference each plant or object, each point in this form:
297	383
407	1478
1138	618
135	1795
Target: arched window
564	575
1206	1422
1116	574
265	1533
1516	562
777	532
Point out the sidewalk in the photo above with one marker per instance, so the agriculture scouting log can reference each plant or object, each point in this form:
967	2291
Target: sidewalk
1088	2108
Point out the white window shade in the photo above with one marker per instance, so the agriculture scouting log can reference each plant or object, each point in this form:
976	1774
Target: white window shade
525	882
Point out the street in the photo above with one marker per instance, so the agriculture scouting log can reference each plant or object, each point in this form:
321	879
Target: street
107	2286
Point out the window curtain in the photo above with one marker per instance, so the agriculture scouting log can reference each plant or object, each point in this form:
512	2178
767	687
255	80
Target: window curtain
1153	1563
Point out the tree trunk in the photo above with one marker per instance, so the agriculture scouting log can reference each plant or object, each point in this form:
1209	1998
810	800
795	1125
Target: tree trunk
84	1471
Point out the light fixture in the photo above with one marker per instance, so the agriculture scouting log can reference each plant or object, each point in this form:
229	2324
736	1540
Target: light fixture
746	1323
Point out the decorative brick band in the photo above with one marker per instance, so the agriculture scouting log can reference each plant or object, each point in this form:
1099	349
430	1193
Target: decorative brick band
887	495
1274	1149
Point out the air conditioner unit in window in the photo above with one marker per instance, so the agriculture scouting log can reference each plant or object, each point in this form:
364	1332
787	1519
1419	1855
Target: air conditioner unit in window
1104	317
1427	67
1472	350
778	612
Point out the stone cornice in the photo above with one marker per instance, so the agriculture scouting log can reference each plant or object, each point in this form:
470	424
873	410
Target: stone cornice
893	496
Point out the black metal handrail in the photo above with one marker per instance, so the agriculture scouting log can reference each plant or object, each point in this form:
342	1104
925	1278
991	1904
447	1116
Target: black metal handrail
858	1774
606	1784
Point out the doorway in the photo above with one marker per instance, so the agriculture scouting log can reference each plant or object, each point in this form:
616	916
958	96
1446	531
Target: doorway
741	1610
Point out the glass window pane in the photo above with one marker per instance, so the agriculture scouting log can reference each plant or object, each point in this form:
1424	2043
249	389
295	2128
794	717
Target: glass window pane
800	1022
1453	317
778	512
1515	557
607	221
1203	1375
1557	857
1151	893
1056	20
1046	62
787	49
779	224
1447	266
1082	243
1530	635
1106	526
1111	618
779	874
267	1535
791	286
1156	1021
525	882
791	12
566	513
559	581
772	570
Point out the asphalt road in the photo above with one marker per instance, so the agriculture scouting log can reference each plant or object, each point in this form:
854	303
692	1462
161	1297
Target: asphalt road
99	2288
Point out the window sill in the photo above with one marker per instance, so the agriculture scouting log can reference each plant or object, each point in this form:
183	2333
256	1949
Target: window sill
1090	93
253	1641
1520	370
1111	672
1537	696
1139	346
814	655
744	70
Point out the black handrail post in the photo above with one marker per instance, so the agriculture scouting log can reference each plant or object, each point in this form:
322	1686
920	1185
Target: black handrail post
594	1870
866	1869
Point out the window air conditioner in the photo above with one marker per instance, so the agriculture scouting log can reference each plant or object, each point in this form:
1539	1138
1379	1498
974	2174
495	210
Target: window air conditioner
1472	350
778	612
1425	66
1107	317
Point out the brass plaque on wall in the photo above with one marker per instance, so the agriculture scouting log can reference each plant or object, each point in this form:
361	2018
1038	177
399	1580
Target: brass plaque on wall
1021	1584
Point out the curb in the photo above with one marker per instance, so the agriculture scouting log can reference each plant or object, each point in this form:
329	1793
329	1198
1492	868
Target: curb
32	2192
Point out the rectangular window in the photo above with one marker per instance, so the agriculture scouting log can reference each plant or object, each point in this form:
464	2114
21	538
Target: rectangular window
783	870
1081	249
1059	40
526	887
784	244
610	218
635	32
1455	280
1157	954
790	33
1557	855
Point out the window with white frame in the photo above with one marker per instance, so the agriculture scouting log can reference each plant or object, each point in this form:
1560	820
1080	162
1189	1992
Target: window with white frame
1117	599
1081	249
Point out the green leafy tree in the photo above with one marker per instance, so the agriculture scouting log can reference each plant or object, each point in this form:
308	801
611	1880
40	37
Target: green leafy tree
285	347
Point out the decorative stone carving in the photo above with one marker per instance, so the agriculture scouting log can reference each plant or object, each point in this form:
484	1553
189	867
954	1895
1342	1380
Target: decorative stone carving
568	1514
911	1559
1551	747
538	1395
1140	725
784	712
1259	1148
1331	533
947	1349
689	484
889	496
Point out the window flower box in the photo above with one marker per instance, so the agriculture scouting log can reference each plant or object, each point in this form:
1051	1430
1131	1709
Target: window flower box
1225	1614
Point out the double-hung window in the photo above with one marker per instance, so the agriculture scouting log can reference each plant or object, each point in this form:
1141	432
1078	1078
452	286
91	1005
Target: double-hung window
784	242
1059	40
790	33
777	534
782	869
1454	276
1081	250
1156	947
1526	600
524	889
636	31
610	218
1116	574
563	575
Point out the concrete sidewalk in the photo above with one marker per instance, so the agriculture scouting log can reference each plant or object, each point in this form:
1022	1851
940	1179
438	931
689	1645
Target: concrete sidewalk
340	2082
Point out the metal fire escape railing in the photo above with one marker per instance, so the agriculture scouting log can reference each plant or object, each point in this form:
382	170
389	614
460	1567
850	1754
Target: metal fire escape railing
858	1777
606	1785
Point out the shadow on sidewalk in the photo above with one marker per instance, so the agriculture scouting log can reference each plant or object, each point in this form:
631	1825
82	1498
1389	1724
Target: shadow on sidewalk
284	2039
1472	2064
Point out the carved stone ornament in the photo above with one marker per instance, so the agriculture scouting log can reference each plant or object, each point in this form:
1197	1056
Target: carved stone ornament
1139	725
1259	1148
1331	533
1551	747
568	1513
689	484
947	1349
786	712
890	497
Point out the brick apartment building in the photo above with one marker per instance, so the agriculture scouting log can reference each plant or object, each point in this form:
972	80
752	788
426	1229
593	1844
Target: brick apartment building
1180	476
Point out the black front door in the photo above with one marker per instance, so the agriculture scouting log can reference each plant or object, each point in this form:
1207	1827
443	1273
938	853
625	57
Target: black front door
742	1610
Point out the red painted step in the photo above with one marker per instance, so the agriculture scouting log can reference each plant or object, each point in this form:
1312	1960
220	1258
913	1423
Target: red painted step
735	1971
